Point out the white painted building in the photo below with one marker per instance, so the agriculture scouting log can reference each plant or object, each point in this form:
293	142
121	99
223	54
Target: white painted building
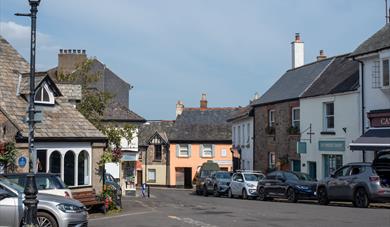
242	136
330	119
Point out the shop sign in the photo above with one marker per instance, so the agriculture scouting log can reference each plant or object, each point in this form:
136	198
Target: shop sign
331	145
380	122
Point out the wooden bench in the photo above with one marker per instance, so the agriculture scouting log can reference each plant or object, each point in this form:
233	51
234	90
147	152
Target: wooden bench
89	199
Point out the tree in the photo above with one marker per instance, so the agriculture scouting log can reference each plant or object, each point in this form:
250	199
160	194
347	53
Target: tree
8	154
93	105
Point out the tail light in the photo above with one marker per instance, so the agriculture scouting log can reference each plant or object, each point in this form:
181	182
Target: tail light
374	178
67	195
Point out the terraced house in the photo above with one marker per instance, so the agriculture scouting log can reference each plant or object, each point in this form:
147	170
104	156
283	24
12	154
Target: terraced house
66	143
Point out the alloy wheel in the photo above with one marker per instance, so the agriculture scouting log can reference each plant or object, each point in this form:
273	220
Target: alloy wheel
323	196
216	193
361	199
244	194
262	194
44	222
291	195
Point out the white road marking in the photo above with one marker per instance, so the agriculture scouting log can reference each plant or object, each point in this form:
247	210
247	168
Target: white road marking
192	221
122	215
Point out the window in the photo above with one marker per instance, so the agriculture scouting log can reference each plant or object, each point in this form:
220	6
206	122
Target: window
83	168
207	150
184	150
376	82
271	160
157	152
243	134
271	118
385	73
342	172
329	116
234	136
44	95
223	153
69	168
332	163
41	161
239	135
238	177
152	175
248	133
295	116
55	162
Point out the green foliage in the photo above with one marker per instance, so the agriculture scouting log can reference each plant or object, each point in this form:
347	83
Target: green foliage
8	156
93	105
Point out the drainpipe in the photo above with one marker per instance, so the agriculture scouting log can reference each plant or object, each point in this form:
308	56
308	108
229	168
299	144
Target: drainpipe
363	105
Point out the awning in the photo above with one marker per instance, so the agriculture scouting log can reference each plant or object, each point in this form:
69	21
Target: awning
373	139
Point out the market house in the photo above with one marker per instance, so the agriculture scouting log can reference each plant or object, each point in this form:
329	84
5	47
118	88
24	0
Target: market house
66	143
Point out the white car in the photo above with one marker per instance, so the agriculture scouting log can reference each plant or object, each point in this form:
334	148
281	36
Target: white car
244	184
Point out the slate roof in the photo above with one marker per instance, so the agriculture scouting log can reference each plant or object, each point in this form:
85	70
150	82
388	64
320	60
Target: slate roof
379	41
342	75
241	113
60	122
147	130
117	112
293	83
70	91
196	125
40	77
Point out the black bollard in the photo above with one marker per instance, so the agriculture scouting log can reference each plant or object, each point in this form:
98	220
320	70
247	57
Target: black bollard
30	202
148	191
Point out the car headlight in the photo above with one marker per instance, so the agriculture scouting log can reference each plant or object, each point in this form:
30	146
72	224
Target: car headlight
69	208
302	187
250	185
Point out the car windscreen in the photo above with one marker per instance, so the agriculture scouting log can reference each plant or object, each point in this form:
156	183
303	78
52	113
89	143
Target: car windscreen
43	182
206	173
224	175
252	177
11	184
304	177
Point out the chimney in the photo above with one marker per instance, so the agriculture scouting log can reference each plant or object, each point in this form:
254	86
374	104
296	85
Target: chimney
322	56
297	48
179	108
69	60
203	102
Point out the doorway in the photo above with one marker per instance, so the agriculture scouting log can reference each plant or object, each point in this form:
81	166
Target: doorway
312	169
139	177
187	177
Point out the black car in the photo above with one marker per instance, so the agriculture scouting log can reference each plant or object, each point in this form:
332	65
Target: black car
287	184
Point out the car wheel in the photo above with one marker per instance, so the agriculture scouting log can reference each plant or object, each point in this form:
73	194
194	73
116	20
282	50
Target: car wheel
262	195
291	195
230	194
205	193
244	194
322	196
46	220
215	192
361	199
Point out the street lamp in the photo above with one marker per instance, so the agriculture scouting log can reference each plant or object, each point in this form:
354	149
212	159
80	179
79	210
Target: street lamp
30	190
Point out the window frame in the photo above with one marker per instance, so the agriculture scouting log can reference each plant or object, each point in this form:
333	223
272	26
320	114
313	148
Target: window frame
203	151
271	118
326	117
271	160
180	150
155	153
293	117
376	75
248	132
42	88
382	76
155	175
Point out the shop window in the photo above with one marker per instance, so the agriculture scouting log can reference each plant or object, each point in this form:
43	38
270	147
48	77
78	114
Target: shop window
152	175
69	168
157	152
83	168
332	163
55	162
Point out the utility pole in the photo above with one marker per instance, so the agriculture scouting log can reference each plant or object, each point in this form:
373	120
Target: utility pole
30	190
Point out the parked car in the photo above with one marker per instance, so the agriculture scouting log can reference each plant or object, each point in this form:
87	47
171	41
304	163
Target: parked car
203	172
218	183
54	211
110	180
244	184
360	183
287	184
47	183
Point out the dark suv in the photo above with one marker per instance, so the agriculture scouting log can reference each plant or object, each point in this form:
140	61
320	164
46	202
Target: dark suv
360	183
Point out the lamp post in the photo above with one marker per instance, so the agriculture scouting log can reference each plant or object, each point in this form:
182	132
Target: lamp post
30	190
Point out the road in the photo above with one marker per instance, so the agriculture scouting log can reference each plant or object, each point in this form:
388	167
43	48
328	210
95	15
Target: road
170	207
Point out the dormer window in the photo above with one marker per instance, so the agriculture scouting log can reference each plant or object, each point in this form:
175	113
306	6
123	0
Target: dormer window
44	95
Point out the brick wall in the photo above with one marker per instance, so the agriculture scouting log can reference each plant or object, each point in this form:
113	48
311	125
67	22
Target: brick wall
281	142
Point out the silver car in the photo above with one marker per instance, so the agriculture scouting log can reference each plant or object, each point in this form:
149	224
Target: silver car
360	183
53	211
244	184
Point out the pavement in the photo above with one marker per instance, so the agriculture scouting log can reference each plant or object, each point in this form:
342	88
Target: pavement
170	207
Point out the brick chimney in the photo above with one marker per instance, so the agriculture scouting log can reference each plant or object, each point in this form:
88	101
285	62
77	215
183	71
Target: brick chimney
203	102
69	60
297	49
179	108
322	56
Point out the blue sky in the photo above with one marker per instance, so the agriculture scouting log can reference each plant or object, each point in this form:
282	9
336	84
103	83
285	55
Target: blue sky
173	50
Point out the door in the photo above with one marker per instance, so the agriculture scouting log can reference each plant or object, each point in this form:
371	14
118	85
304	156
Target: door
312	169
188	177
139	177
337	185
179	177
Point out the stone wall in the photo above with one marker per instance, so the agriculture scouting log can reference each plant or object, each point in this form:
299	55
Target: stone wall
97	151
281	142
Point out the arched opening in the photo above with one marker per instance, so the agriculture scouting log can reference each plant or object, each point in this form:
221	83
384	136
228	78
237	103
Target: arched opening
69	168
55	162
83	168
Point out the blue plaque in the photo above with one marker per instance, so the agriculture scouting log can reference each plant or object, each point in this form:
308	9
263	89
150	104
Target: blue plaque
22	161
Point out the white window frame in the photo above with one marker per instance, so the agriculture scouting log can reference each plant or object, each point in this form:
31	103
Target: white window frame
152	172
239	135
45	87
248	132
271	118
234	136
271	160
223	153
326	116
184	147
294	121
382	72
207	148
243	134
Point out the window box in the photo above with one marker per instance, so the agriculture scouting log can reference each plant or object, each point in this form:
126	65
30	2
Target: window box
293	130
328	133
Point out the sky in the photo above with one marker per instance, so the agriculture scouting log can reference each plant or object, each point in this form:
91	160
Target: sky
172	50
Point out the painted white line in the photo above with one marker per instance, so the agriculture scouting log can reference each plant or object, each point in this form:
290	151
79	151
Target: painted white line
191	221
122	215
